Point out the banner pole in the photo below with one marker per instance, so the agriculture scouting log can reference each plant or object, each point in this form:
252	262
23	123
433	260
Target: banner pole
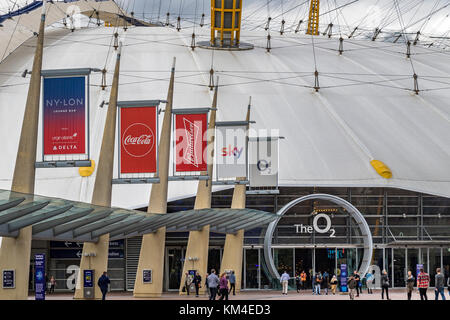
151	257
15	252
233	248
198	243
95	255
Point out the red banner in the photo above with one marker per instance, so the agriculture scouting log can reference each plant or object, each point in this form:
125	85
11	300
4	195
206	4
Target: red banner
138	139
191	142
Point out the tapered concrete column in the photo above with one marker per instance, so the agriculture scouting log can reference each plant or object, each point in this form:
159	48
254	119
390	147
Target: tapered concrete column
15	252
98	259
198	243
233	251
151	256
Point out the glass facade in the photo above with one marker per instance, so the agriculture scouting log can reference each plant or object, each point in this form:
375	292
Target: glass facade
408	228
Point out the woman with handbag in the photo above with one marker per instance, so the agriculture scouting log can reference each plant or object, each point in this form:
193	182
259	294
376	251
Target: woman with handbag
385	285
223	287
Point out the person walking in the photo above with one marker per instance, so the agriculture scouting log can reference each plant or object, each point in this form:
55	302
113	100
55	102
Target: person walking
410	284
187	282
384	285
213	282
298	282
206	285
232	280
303	279
284	282
223	287
370	279
439	284
197	283
103	283
448	286
317	282
333	284
423	282
52	284
358	282
351	284
326	281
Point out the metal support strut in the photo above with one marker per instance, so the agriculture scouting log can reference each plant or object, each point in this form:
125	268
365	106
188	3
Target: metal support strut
341	45
316	81
268	45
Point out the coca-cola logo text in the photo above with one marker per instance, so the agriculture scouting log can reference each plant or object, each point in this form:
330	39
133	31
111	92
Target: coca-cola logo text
138	140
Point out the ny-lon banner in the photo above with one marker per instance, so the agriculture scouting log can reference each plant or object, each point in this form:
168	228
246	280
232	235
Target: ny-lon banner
263	162
64	115
231	146
190	142
138	139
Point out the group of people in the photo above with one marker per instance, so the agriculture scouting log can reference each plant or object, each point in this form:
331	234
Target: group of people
319	281
215	286
354	283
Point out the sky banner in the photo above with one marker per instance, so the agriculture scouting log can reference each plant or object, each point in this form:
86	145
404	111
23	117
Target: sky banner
263	162
231	146
138	139
191	142
64	115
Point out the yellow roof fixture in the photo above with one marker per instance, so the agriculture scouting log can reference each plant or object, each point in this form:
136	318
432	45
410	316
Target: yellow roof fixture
225	23
382	169
87	171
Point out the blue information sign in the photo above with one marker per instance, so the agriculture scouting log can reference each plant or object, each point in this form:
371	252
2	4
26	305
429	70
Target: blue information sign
39	260
88	278
344	278
147	276
418	267
8	279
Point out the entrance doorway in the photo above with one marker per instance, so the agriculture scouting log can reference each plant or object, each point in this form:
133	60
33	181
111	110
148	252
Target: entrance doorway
174	268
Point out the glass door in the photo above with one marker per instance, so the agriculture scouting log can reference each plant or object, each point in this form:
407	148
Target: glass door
399	267
174	267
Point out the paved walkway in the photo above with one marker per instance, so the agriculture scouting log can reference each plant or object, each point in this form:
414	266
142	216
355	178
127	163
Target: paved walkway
394	294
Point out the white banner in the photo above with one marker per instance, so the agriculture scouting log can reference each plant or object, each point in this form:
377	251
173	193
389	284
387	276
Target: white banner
231	155
263	162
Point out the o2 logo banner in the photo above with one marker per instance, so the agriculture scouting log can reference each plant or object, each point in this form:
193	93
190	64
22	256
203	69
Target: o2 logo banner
138	139
64	115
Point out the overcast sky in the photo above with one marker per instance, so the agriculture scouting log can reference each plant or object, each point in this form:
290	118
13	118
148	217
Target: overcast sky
371	13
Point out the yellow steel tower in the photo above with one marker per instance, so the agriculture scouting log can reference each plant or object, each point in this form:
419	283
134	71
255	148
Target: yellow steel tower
225	22
313	22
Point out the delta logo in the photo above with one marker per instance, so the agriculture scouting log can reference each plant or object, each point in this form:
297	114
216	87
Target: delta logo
232	152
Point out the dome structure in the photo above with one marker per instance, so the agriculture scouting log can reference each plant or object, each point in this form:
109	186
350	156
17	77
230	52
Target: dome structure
361	105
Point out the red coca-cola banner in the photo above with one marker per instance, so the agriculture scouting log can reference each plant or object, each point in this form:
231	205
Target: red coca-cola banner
138	139
191	142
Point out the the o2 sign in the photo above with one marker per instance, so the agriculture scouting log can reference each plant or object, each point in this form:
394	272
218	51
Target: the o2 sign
300	228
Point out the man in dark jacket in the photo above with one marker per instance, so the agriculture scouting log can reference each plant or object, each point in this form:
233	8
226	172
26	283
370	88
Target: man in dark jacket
351	283
439	283
103	283
358	282
197	282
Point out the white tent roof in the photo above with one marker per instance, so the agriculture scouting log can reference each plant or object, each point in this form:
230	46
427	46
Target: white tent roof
18	28
366	108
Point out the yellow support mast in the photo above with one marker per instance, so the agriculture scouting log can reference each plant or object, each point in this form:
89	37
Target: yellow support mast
313	22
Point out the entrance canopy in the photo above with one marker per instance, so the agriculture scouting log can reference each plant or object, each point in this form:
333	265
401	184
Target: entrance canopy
64	220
